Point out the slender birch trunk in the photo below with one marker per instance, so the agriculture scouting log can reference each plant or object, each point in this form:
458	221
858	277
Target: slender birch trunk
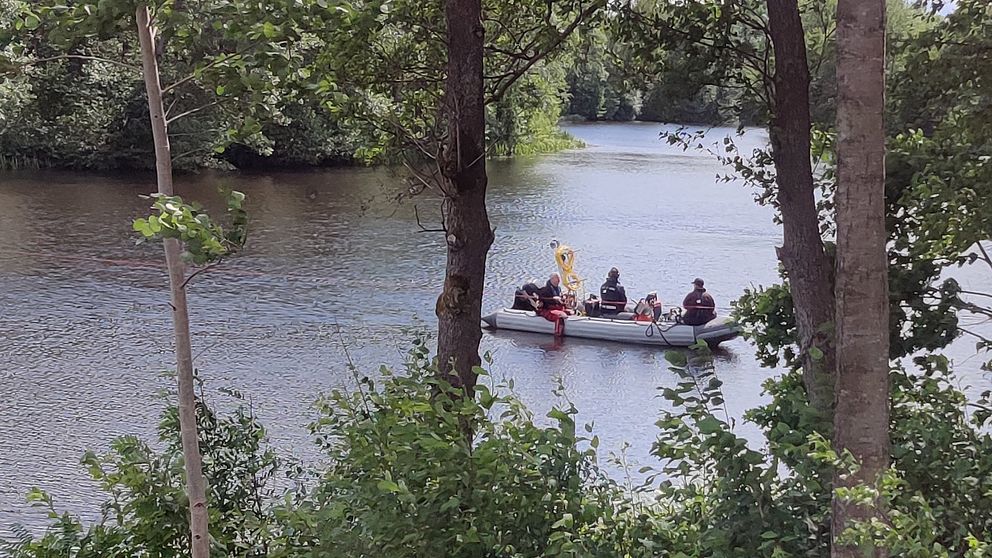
195	484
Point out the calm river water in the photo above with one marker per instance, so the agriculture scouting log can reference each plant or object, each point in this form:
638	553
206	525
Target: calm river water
332	261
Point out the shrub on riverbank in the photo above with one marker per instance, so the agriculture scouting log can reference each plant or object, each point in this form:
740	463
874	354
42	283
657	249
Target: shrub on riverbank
404	481
88	115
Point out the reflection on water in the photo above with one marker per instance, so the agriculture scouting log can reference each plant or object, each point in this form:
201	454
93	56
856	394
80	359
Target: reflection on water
332	262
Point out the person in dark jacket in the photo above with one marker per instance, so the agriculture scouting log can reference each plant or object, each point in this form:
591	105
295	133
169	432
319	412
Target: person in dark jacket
612	293
550	293
699	305
526	297
553	306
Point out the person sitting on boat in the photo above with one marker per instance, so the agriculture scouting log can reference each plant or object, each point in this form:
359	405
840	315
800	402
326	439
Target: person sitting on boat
526	297
699	305
612	294
552	306
550	293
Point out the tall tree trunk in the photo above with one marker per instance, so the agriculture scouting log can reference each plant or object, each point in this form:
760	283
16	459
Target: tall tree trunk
467	230
861	423
195	484
806	263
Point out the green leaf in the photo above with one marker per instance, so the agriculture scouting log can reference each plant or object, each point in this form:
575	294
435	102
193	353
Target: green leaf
677	359
709	424
31	22
36	495
566	521
388	486
8	66
452	503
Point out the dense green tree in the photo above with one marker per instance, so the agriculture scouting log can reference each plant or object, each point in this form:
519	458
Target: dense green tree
603	85
85	94
946	191
427	90
525	120
588	75
87	113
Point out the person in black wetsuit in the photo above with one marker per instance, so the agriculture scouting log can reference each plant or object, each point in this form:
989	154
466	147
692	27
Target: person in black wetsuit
612	294
526	297
699	305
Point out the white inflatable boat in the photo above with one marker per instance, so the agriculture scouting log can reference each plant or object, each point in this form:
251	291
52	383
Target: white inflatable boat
623	329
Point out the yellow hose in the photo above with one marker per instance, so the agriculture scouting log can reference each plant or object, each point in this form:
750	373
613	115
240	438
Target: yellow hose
565	258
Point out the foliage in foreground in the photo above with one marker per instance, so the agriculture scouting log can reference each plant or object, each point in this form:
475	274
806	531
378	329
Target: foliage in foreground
146	513
403	480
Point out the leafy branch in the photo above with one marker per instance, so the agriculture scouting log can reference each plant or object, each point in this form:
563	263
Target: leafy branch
205	242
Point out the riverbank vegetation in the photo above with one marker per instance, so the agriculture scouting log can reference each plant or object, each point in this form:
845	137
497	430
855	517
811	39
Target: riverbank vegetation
402	480
78	103
865	454
86	112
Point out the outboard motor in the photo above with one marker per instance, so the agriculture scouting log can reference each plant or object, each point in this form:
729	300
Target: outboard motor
648	308
655	304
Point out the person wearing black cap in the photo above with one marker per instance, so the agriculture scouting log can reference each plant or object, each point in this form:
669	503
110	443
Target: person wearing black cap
699	305
612	293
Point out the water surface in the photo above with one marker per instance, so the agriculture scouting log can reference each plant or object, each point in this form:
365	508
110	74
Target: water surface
333	262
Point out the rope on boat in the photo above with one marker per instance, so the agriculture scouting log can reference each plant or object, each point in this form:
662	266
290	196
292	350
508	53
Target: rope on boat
649	331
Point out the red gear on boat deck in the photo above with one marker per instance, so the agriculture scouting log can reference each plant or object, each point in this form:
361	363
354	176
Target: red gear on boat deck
556	315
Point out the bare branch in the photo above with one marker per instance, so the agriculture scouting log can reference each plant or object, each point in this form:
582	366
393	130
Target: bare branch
81	57
985	254
424	229
172	105
973	308
412	81
205	349
188	153
428	184
197	109
512	78
194	75
976	293
194	133
518	55
199	271
978	336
